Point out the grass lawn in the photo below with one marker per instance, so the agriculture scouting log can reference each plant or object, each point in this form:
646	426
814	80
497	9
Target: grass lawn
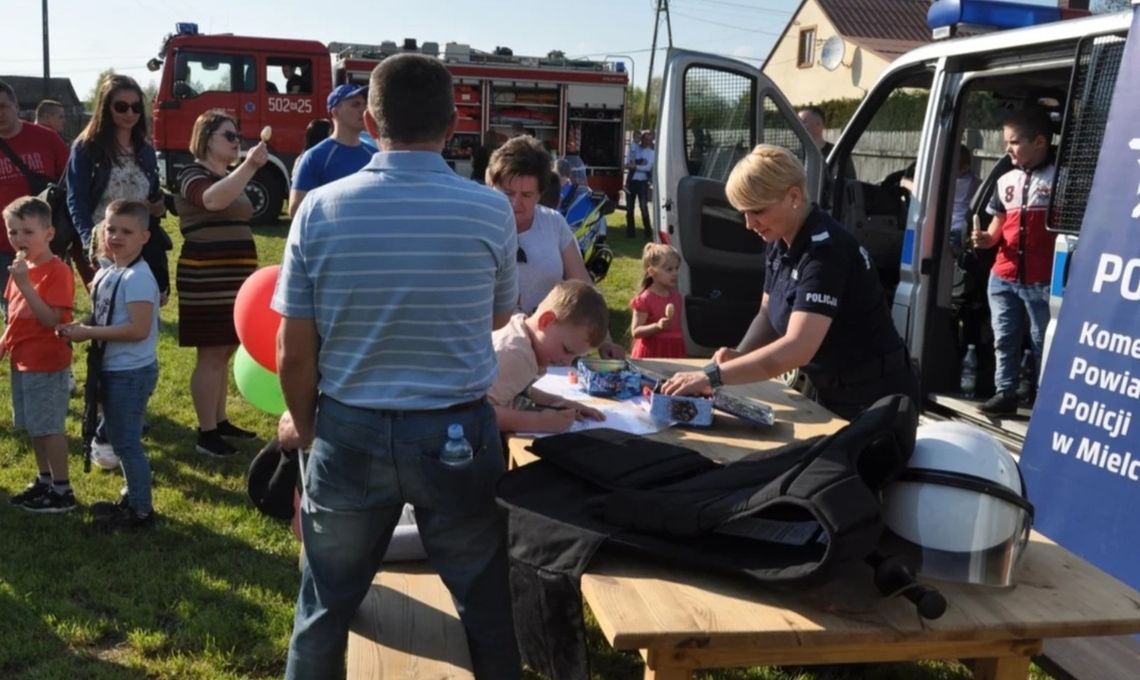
208	594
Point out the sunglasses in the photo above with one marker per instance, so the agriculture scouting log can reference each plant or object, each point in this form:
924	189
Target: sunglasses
520	256
230	135
123	107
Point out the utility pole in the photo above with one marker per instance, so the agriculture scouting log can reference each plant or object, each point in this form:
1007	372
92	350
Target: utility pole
47	55
662	8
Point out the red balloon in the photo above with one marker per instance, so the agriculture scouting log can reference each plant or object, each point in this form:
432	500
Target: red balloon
255	320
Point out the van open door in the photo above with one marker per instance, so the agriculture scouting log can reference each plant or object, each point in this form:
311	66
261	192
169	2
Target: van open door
713	111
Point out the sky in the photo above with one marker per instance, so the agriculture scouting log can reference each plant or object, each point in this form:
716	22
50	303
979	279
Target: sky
89	36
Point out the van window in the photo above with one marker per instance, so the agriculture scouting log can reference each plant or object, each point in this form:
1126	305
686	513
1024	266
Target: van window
719	120
205	72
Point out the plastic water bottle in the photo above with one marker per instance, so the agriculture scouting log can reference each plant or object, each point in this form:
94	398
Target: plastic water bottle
1025	384
457	451
969	381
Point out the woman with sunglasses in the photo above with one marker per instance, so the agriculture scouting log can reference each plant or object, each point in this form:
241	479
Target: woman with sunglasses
218	254
111	160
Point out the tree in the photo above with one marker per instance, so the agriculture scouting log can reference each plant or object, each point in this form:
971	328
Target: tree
636	103
1108	6
89	103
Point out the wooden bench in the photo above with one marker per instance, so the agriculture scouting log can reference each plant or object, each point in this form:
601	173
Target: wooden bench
1101	658
407	628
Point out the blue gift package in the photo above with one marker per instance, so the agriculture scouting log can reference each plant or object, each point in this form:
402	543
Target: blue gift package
692	411
615	378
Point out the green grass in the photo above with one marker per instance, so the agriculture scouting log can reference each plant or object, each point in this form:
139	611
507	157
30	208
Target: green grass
209	593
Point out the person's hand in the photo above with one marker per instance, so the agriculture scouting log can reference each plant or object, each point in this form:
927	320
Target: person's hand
19	272
611	350
583	412
982	239
289	437
687	383
663	323
258	155
557	419
163	298
725	354
76	332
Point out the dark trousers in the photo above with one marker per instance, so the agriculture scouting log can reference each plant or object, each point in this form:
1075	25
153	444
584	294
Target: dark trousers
637	190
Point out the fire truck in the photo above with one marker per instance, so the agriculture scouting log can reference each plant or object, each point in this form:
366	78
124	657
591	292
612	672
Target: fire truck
575	107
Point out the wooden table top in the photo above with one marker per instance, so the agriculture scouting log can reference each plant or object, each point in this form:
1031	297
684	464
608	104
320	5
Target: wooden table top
642	605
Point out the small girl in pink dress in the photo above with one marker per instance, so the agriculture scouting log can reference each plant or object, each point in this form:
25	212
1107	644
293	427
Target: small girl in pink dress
656	324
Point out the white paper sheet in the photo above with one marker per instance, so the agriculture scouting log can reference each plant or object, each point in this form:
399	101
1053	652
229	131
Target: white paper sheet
631	415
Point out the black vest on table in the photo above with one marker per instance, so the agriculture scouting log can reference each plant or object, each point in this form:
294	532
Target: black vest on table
797	513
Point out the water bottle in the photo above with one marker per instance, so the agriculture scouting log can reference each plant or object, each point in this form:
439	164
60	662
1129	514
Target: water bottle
457	451
969	381
1025	384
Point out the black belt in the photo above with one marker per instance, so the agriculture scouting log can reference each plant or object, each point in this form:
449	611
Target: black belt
867	371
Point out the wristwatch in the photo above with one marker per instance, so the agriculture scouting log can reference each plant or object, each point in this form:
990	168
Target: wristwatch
712	372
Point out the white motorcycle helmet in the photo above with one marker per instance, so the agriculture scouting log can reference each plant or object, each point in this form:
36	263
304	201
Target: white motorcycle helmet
959	512
103	455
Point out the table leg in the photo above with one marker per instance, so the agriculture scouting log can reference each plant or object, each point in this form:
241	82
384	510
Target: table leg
1001	668
658	667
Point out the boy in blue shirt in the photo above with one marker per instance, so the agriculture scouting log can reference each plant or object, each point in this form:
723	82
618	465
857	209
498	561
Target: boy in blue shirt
125	300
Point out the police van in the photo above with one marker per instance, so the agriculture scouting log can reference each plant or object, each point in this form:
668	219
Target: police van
715	109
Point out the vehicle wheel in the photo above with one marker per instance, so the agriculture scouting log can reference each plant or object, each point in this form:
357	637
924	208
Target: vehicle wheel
267	193
790	378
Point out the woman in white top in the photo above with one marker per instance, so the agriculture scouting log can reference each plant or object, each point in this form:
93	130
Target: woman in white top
548	252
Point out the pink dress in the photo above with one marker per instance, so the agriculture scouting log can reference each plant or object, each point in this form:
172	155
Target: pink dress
668	344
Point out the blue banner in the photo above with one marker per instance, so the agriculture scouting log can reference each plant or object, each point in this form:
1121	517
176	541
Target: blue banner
1081	458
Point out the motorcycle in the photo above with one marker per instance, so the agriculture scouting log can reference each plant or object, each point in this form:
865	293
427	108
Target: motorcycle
585	211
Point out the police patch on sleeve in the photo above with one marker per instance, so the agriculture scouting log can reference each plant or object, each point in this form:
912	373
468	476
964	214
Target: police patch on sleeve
821	299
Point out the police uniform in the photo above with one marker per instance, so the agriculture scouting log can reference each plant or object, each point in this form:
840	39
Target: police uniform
826	271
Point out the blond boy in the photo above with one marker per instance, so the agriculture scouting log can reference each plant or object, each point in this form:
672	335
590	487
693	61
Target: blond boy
40	294
571	321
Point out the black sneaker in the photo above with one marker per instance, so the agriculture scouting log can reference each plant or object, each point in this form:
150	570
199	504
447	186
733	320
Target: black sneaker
123	518
1001	404
228	429
104	508
212	444
33	490
51	502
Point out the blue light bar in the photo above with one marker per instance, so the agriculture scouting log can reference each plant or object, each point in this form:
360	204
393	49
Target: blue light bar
186	28
945	15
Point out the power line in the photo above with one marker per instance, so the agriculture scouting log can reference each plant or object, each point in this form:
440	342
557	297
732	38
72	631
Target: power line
723	25
740	6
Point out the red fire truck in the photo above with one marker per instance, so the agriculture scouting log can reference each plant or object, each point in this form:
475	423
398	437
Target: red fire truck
573	106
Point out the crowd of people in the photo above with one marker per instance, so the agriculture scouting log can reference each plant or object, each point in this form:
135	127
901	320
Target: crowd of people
461	313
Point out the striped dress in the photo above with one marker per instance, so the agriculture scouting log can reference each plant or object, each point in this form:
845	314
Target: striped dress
218	255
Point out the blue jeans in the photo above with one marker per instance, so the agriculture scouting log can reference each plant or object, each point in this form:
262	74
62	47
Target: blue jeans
124	396
1010	303
363	465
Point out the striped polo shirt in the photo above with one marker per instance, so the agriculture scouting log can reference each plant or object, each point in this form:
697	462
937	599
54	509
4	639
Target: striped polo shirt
402	266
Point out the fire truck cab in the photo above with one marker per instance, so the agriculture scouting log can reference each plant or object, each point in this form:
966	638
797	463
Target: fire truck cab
575	107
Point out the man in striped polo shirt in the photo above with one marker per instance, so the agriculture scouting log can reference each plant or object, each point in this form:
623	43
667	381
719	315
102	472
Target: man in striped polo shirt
393	279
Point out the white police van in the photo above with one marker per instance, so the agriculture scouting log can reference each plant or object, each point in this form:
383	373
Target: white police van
714	110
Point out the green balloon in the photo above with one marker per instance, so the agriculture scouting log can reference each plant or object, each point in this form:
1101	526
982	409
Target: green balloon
259	387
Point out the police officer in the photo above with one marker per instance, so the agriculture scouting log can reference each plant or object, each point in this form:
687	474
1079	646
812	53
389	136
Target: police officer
823	311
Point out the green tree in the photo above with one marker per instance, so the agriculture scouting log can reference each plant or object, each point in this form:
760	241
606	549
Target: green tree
636	103
89	103
1108	6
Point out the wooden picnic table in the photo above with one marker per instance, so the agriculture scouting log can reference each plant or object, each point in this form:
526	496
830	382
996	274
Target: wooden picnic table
682	619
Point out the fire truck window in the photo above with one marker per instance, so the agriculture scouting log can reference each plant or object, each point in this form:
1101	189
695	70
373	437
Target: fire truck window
289	76
215	73
719	120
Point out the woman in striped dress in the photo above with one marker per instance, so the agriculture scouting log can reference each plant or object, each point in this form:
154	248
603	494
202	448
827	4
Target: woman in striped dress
218	254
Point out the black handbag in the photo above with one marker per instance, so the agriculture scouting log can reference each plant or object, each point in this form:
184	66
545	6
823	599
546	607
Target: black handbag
52	192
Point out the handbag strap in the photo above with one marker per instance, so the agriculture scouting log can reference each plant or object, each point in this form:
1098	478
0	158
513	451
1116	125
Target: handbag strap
19	162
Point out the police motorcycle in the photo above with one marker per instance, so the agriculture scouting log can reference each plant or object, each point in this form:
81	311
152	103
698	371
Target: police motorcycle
585	211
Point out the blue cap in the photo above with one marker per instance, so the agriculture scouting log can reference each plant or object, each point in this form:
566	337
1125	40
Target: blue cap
345	91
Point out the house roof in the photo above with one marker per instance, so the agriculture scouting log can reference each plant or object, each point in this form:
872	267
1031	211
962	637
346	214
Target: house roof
29	90
880	20
888	28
